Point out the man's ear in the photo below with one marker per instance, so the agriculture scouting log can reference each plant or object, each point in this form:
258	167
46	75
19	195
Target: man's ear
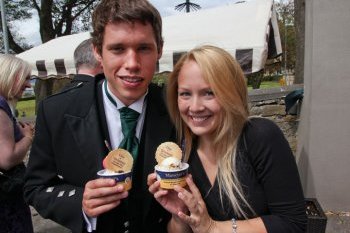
97	54
160	52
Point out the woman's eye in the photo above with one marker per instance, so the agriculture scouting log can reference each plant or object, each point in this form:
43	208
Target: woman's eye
184	93
209	93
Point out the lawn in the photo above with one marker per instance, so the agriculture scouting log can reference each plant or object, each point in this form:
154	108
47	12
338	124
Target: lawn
26	107
267	84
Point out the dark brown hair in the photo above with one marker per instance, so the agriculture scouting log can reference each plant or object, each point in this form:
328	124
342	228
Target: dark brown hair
125	11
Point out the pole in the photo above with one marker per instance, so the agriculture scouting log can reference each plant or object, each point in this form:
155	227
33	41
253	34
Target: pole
285	49
4	26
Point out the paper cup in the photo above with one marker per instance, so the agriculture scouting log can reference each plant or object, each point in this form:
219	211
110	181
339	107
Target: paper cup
168	179
124	178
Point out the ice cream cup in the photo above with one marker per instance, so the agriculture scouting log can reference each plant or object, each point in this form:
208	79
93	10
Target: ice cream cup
168	179
124	178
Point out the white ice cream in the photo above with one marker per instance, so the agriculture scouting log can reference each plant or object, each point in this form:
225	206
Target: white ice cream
170	164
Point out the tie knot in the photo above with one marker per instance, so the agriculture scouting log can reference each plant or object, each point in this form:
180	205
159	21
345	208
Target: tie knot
128	113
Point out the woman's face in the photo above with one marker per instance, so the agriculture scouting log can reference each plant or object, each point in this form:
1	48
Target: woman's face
197	103
25	85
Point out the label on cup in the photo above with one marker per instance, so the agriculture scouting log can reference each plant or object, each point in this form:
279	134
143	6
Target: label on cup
168	179
124	179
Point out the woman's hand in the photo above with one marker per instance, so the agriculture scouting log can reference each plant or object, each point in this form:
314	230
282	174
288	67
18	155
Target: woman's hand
27	129
198	218
167	198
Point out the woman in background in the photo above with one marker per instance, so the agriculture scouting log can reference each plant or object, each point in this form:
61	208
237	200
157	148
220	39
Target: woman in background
243	175
15	141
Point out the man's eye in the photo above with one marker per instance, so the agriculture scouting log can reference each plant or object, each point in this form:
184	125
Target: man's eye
144	48
117	49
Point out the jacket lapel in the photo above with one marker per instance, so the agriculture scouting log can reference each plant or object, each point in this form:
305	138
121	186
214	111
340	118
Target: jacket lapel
84	120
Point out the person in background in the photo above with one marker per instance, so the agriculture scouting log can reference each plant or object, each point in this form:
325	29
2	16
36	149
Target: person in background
15	141
243	175
85	62
76	129
86	65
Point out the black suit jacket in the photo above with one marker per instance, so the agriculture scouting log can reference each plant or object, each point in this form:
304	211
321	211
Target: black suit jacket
68	150
78	78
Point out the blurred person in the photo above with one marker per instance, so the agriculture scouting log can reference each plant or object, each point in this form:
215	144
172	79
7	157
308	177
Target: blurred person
243	175
86	65
15	141
76	129
85	62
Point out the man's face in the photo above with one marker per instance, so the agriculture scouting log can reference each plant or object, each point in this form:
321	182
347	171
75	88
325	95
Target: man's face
129	57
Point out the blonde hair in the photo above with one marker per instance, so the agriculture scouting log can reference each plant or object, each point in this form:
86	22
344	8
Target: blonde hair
13	73
226	79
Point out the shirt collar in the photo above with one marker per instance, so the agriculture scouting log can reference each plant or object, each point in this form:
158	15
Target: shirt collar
137	105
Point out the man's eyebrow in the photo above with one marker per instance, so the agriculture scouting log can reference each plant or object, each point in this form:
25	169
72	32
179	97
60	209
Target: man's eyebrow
109	46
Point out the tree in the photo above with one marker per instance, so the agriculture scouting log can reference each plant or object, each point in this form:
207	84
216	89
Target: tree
188	6
56	18
299	15
286	22
16	10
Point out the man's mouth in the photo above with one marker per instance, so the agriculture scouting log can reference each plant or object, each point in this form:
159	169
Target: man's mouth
131	79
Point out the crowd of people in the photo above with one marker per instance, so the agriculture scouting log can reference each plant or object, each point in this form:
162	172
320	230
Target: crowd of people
242	173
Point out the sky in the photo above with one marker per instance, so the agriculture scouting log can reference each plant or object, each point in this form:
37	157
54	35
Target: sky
29	29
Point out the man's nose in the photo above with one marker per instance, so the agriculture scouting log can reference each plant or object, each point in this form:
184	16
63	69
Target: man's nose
132	61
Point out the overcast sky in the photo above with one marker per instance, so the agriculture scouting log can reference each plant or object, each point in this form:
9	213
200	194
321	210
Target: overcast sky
29	29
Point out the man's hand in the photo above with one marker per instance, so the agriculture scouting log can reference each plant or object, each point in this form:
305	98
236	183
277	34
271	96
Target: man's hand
102	195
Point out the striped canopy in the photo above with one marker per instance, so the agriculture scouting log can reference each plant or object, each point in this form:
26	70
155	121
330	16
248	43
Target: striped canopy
248	30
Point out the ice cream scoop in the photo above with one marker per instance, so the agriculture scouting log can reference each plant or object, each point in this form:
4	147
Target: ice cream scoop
170	164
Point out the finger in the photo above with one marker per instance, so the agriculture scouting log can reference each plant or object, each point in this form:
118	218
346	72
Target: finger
190	200
102	191
154	187
105	200
160	193
187	219
194	190
98	183
94	212
151	178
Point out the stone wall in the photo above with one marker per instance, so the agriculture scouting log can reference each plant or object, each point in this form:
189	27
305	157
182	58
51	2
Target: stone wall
270	104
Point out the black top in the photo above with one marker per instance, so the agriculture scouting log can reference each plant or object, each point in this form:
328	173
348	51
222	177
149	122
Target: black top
268	173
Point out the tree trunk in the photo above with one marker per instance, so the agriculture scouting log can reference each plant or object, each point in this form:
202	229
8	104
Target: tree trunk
299	14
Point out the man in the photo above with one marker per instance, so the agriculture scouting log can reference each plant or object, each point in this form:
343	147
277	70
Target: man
74	130
86	65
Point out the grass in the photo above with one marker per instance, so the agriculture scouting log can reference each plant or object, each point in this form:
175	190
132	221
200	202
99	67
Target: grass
27	107
267	84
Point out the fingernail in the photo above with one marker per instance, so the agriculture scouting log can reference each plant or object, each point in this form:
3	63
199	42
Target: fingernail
120	188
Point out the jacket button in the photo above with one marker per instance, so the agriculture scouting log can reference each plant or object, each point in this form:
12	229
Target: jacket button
126	224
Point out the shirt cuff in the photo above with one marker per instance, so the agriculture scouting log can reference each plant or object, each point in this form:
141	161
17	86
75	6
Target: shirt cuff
90	222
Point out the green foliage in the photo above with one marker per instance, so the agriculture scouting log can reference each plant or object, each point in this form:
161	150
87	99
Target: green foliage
160	78
286	22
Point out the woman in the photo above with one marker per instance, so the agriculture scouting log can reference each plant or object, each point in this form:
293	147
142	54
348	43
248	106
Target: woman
15	140
243	174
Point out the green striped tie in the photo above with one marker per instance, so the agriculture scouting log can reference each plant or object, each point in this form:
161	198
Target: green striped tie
128	119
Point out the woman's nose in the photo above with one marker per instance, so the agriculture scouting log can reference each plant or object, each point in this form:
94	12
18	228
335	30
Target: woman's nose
196	104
